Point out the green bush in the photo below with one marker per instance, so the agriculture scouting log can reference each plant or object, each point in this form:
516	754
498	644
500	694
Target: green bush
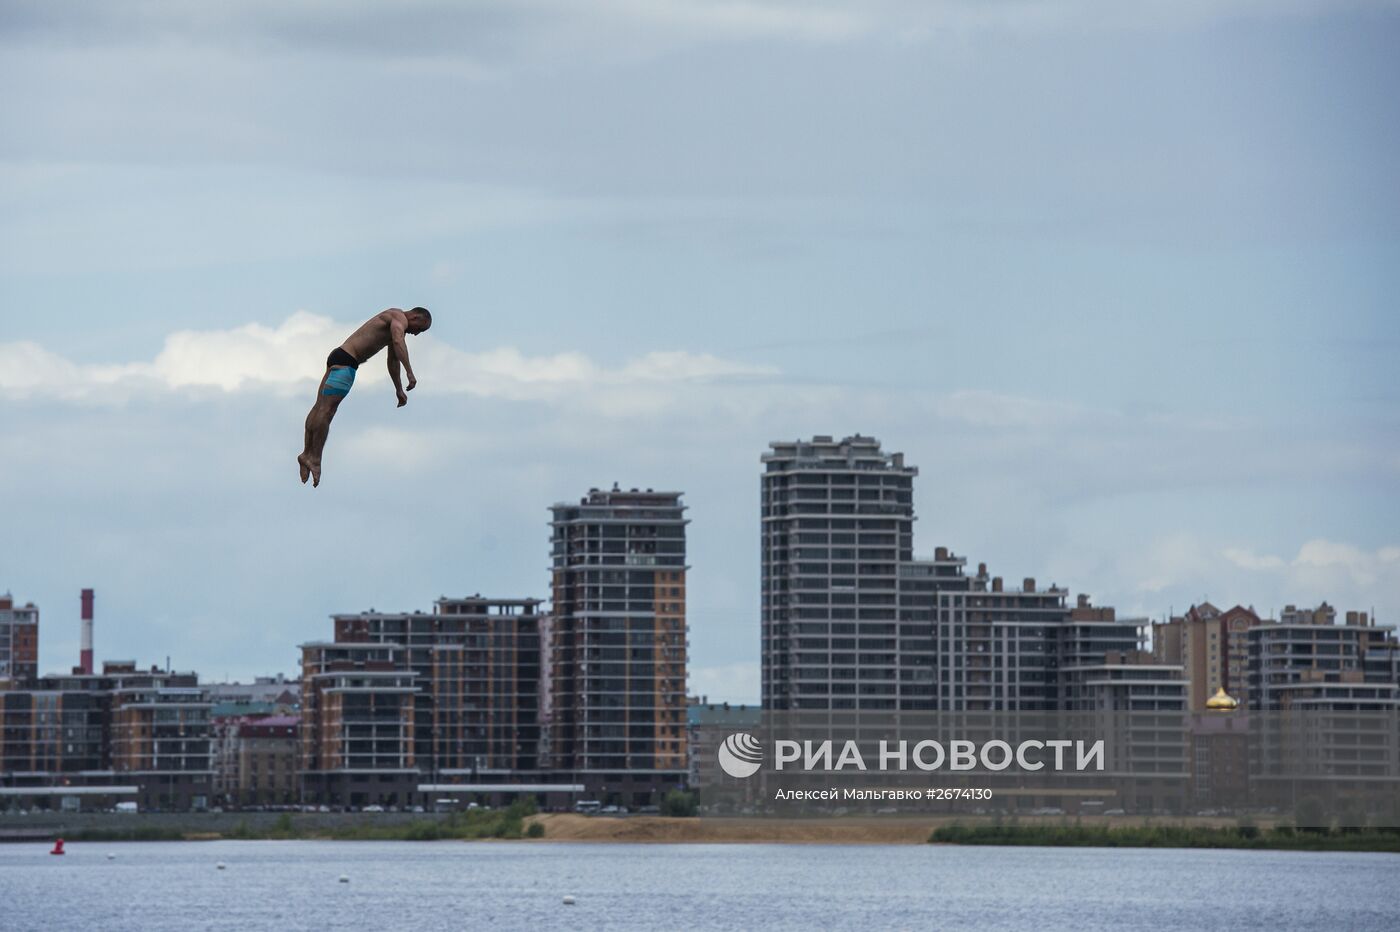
536	830
1309	816
679	803
1352	817
1164	836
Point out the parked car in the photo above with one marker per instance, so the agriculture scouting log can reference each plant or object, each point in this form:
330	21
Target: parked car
373	808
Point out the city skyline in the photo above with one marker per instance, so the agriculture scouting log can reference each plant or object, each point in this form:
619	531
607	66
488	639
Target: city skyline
931	558
1137	333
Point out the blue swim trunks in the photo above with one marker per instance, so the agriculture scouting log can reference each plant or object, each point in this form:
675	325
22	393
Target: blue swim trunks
339	381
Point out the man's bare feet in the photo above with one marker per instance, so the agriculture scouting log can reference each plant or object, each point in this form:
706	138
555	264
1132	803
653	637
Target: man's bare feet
315	473
304	462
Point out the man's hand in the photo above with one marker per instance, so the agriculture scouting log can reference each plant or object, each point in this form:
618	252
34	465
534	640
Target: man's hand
403	399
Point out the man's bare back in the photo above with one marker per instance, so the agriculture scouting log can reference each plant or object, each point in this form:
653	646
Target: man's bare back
385	329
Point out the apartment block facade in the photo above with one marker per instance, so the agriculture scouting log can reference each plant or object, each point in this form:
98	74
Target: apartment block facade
616	712
400	701
19	643
852	621
256	760
1212	646
124	734
1308	660
837	524
485	679
476	662
357	723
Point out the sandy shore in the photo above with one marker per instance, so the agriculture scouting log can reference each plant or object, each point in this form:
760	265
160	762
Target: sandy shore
911	830
569	827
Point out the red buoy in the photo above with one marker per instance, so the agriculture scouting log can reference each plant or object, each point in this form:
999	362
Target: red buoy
57	846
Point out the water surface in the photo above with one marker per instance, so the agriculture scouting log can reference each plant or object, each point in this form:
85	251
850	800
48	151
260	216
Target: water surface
516	885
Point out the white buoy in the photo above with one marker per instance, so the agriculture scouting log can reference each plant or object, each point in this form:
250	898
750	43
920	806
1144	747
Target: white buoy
568	901
344	879
111	856
220	865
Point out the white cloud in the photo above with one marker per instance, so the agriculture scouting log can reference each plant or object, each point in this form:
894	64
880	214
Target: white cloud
247	356
992	409
403	451
1183	568
1326	559
1249	560
290	357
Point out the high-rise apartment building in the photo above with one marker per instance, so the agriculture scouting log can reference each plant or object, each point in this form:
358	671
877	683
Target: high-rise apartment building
997	649
837	525
616	716
851	621
1308	661
928	591
19	642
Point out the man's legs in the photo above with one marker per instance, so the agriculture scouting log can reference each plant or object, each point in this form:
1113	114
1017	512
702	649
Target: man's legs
318	426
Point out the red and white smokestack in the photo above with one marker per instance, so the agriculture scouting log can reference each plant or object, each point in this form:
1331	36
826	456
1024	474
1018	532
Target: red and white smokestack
85	658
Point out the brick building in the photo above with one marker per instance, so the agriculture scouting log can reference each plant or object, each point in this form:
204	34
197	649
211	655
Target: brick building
617	646
120	735
19	643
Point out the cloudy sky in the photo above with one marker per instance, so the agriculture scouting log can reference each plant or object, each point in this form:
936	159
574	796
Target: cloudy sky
1119	278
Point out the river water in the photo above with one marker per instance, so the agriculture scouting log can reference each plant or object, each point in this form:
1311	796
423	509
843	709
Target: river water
521	885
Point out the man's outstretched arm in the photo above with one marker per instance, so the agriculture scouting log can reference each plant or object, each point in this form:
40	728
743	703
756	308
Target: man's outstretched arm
393	358
398	348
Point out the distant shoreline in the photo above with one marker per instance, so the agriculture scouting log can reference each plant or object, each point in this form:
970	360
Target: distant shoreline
507	824
949	830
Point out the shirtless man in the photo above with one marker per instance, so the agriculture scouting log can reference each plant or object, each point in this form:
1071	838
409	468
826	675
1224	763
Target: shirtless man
384	329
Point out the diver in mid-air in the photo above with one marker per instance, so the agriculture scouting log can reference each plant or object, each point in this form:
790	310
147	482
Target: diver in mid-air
386	328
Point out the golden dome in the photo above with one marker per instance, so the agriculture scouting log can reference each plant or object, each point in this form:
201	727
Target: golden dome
1221	701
